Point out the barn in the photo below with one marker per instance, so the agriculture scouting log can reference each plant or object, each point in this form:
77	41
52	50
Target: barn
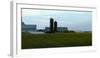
28	28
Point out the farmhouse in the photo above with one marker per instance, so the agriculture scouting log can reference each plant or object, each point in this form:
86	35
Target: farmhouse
28	28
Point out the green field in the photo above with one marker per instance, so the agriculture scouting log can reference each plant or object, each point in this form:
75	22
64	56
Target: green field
56	40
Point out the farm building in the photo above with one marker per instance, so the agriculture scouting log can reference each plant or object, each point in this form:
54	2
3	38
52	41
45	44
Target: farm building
59	29
28	28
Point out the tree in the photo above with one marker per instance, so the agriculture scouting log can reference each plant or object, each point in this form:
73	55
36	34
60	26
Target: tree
55	26
51	25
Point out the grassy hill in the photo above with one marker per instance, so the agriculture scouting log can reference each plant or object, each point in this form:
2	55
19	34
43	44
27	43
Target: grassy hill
56	40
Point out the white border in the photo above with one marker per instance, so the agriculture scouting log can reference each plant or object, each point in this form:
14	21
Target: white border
16	30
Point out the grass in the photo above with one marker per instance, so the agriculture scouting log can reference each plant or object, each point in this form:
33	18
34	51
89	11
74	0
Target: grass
56	40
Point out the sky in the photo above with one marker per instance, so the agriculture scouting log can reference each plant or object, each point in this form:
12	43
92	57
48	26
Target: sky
74	20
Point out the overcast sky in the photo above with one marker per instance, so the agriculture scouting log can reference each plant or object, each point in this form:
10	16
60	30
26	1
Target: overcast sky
74	20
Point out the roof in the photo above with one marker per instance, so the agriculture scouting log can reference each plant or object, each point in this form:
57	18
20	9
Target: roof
29	26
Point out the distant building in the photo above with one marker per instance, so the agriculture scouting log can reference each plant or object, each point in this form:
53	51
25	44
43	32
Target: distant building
59	29
28	28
